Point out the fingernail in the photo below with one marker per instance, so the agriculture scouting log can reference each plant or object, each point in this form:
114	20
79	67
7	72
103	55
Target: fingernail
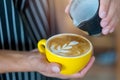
105	31
55	69
103	14
104	23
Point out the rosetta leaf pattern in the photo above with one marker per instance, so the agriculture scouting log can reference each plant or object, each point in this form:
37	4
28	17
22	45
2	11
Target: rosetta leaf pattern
65	48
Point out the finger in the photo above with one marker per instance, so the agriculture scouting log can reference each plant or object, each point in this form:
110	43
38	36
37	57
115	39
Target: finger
104	7
50	68
108	18
111	26
54	67
68	7
111	19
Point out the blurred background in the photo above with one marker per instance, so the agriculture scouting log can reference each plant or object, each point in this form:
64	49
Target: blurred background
106	48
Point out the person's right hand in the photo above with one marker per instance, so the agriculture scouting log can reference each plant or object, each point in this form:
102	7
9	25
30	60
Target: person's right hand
40	64
109	13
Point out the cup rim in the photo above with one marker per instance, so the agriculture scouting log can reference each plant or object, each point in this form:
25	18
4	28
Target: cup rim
90	49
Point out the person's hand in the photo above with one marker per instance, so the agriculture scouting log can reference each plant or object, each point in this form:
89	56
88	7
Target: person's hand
109	13
40	64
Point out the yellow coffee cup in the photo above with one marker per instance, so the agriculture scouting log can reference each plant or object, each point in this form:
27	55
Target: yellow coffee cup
70	64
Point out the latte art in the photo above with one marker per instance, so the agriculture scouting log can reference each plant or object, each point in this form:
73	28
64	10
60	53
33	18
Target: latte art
68	46
63	49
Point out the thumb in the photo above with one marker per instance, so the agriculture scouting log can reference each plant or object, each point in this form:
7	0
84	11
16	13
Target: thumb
54	67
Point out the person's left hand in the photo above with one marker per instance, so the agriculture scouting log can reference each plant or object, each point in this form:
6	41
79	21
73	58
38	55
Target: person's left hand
39	60
109	13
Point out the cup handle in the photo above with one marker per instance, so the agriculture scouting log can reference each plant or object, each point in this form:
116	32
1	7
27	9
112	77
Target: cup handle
41	45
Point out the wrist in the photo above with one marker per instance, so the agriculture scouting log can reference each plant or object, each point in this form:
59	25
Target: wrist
26	61
33	60
22	63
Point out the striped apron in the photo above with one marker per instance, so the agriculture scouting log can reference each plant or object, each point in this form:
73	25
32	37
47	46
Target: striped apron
22	24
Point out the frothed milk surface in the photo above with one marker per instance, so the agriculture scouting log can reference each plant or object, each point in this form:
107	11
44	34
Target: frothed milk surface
68	45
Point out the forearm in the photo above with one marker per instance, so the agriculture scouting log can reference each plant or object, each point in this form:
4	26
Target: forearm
13	61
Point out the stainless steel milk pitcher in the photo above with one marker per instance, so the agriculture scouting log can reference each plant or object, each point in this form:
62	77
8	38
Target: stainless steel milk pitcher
84	14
